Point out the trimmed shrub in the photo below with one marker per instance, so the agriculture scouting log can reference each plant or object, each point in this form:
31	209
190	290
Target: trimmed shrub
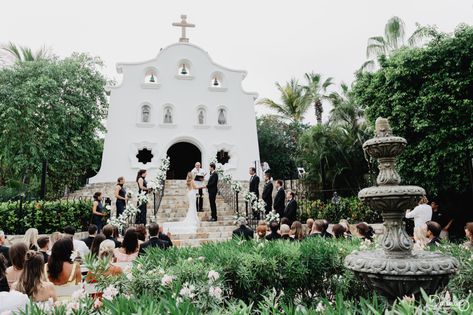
46	216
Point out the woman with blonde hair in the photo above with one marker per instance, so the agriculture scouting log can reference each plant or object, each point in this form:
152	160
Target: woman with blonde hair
420	239
191	221
31	239
32	281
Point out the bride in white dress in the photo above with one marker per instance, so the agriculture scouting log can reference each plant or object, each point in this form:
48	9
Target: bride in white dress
191	221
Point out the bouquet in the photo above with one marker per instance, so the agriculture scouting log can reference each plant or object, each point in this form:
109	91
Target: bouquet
272	216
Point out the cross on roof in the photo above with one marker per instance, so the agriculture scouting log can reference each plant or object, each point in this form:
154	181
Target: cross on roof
183	24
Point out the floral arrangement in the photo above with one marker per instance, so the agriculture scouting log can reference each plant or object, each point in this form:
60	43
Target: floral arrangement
142	198
250	197
158	182
259	206
272	216
123	219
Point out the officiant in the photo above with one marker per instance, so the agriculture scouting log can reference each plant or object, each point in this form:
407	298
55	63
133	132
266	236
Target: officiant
199	176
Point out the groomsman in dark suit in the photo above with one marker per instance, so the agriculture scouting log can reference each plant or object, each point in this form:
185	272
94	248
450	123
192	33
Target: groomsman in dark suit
254	182
290	211
212	190
267	195
154	240
280	199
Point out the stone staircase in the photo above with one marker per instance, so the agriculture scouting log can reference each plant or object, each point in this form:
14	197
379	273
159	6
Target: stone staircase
174	208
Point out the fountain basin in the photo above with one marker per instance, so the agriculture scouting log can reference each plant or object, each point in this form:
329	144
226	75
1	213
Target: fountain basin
403	276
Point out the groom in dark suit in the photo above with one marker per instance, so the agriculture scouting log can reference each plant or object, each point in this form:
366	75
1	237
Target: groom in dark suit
212	190
267	195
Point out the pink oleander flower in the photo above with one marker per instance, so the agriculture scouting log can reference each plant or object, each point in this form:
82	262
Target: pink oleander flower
110	292
213	275
216	293
167	280
98	304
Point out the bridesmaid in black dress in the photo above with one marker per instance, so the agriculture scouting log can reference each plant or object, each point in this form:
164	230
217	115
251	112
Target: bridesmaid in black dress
120	195
98	212
142	186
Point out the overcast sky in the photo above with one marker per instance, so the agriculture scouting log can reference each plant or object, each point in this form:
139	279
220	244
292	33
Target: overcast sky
272	40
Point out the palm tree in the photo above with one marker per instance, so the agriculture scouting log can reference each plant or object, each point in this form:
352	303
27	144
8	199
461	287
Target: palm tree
394	39
345	111
22	54
316	91
293	104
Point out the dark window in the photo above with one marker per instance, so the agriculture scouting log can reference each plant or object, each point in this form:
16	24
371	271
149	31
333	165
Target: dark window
223	157
144	156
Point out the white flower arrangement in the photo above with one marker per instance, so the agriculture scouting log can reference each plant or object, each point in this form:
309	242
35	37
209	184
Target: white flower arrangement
142	198
250	197
272	216
235	186
120	222
108	207
259	206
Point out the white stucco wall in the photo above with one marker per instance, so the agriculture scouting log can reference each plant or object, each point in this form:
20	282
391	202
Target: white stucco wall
126	133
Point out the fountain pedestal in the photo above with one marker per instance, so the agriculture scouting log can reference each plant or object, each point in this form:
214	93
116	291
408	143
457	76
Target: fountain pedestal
396	270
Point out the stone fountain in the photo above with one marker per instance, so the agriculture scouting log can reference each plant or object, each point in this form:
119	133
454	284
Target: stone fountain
396	270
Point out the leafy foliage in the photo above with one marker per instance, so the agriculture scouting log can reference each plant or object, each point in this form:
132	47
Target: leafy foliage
46	216
278	145
51	110
426	93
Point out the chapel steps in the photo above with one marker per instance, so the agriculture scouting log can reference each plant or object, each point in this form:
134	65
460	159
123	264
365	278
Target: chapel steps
173	208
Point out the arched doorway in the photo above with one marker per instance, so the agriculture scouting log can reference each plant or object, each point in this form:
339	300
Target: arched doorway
182	156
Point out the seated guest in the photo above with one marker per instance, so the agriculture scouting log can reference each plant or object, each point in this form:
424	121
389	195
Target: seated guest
106	249
273	235
60	269
261	231
3	248
420	238
31	239
338	231
366	232
32	281
325	233
433	233
285	230
108	232
3	278
116	233
96	244
469	235
284	220
346	225
141	230
53	238
154	240
13	302
17	254
297	231
43	243
243	231
92	233
165	237
317	228
129	249
79	245
309	223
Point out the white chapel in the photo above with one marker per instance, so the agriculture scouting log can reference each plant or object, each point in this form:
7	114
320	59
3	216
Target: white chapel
181	104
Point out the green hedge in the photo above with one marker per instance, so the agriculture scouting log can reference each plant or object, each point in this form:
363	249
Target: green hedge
350	208
46	216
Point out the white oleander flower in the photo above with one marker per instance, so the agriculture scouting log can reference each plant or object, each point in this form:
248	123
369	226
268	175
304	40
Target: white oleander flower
71	307
213	275
320	307
108	207
110	292
216	293
202	258
74	255
78	295
187	291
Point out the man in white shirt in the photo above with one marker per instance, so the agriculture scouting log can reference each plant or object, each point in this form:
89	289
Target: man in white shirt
421	214
199	175
79	245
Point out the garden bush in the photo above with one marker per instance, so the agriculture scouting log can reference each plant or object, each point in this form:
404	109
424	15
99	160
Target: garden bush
46	216
350	208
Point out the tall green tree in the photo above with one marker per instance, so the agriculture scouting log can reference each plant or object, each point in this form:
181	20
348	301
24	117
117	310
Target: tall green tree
393	39
53	110
294	102
316	92
427	95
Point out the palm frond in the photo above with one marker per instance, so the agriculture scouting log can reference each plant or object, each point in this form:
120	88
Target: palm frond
13	50
368	65
422	35
376	46
394	33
